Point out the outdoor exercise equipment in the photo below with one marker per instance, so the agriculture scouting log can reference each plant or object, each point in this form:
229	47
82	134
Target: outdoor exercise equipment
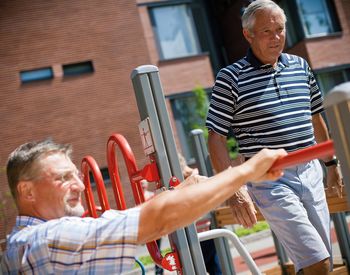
149	172
337	106
158	141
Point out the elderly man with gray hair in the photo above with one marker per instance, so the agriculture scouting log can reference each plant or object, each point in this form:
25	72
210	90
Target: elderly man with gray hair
271	100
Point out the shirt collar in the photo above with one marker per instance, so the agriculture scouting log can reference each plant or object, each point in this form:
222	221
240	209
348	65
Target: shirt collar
255	62
23	221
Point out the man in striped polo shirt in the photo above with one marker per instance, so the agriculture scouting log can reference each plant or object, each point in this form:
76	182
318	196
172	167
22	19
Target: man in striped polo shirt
271	100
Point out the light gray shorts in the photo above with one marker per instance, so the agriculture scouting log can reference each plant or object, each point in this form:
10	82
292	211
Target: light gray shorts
295	207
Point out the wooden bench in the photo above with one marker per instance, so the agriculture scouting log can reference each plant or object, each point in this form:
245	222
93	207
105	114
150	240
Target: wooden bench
223	216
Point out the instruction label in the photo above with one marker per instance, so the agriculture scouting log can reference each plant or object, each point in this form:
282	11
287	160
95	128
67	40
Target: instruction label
146	137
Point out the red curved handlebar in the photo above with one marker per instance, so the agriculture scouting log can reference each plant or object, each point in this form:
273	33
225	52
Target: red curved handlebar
135	177
88	163
130	162
114	173
317	151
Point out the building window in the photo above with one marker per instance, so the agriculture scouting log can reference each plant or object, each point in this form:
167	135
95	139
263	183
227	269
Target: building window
331	77
184	107
175	31
316	17
307	19
75	69
36	75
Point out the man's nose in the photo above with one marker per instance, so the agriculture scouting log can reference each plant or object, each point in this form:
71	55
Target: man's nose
78	183
277	35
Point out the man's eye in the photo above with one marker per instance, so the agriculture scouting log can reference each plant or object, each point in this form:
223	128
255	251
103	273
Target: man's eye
66	177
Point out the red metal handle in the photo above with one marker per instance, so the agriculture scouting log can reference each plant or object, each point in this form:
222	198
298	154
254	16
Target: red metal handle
317	151
114	172
130	162
150	172
87	212
88	163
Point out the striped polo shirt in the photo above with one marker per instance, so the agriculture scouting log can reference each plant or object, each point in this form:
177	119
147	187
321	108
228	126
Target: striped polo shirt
266	107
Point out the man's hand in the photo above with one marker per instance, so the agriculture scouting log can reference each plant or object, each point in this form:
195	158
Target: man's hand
258	167
243	209
335	183
194	178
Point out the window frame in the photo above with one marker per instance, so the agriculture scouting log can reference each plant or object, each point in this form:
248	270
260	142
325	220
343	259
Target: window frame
152	6
71	69
185	145
294	19
28	76
330	13
344	69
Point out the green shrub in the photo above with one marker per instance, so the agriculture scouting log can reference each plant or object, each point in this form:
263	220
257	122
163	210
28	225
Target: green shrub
260	226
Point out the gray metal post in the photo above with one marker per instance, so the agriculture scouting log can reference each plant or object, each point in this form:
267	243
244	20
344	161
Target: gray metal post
151	105
204	166
201	153
337	105
342	231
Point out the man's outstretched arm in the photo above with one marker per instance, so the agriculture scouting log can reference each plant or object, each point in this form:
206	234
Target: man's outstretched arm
179	207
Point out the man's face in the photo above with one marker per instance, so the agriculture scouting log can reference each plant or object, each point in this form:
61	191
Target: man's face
58	190
267	37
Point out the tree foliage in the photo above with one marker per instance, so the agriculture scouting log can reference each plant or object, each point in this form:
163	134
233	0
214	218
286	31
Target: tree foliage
200	114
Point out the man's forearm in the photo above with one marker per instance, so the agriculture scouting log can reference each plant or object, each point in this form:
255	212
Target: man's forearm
218	152
178	208
320	131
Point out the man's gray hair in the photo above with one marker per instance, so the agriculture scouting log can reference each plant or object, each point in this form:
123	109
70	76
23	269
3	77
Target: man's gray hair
22	162
249	15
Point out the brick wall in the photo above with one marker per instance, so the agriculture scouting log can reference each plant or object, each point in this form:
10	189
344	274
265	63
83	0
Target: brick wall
81	110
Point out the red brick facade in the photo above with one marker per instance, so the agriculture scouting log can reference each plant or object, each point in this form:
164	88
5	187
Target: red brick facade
116	37
81	110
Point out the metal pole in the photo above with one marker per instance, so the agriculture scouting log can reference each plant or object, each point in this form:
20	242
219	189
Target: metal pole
205	168
201	153
337	106
151	105
342	231
216	233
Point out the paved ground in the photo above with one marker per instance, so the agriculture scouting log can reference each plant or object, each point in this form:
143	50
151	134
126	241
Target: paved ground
260	245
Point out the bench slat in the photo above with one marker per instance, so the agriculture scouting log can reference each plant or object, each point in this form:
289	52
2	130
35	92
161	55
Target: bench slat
223	215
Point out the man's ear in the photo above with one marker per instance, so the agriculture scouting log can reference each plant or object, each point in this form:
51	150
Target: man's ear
25	190
248	35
